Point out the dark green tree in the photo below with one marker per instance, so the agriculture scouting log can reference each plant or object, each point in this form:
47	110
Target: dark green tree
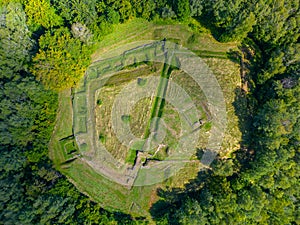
196	7
15	42
182	9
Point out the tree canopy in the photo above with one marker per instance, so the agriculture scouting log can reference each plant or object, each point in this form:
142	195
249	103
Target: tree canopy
61	60
42	13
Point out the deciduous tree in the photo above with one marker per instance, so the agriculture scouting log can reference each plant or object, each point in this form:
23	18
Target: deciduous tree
42	13
61	60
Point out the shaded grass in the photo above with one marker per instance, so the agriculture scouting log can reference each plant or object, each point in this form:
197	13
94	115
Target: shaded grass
158	103
211	54
63	128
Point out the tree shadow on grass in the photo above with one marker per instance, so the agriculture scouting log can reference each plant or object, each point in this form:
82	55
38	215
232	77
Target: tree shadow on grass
209	25
171	198
234	56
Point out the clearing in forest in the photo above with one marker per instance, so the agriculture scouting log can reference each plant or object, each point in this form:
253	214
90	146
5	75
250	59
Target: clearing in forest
142	113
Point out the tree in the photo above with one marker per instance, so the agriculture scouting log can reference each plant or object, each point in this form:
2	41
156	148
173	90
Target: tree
182	9
113	17
240	28
167	12
278	60
15	43
81	11
19	110
42	13
192	213
143	8
223	12
125	9
278	21
61	60
196	7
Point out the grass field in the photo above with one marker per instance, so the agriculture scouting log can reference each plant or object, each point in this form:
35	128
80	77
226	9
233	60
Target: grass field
227	74
107	96
138	200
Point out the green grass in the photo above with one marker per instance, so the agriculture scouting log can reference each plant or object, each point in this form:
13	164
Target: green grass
161	154
102	138
158	102
99	101
63	129
108	93
228	76
126	118
140	114
211	54
207	126
131	156
81	124
124	33
71	147
125	76
139	29
104	123
68	147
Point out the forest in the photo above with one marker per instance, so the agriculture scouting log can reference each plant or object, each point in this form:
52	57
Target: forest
45	47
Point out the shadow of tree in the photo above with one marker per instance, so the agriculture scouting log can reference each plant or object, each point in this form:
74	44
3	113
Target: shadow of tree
171	198
234	56
209	25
